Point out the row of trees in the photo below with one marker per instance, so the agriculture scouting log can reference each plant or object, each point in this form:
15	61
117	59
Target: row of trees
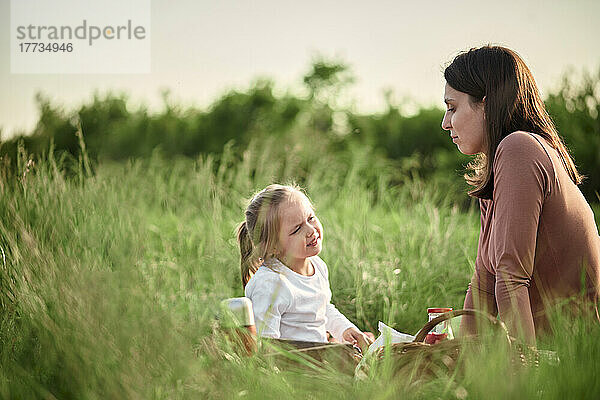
413	142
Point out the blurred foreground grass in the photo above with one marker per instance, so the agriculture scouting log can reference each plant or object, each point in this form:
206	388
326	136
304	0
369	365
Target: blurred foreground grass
110	281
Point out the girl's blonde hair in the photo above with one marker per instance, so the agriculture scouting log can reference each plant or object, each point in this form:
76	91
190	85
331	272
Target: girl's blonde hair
258	234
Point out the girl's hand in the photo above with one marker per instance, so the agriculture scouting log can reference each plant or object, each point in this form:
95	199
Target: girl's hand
331	339
354	336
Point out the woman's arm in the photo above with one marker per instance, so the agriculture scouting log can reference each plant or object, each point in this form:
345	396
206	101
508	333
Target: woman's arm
522	176
480	296
480	293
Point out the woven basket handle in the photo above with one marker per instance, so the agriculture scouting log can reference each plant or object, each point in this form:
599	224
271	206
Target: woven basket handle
451	314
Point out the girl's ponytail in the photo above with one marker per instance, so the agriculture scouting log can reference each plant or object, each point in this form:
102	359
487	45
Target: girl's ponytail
247	267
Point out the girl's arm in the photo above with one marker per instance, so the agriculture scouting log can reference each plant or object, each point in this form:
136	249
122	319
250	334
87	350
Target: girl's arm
270	300
337	323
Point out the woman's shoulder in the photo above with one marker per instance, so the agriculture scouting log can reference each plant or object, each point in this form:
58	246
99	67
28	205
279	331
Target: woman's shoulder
523	147
524	158
521	140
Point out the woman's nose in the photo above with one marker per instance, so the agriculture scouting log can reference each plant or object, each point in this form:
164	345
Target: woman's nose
446	122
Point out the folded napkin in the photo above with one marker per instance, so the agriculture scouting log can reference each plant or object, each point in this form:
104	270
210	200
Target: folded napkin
388	335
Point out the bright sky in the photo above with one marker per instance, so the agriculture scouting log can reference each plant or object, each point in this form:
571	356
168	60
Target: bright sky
201	48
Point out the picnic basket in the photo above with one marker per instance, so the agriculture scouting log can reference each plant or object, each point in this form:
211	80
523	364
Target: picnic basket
418	361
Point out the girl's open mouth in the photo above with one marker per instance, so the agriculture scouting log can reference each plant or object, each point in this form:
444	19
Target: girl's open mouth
313	242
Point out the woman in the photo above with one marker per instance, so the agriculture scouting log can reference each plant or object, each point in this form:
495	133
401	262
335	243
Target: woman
538	241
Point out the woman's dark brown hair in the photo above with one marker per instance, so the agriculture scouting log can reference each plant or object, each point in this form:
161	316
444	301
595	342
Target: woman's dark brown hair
512	103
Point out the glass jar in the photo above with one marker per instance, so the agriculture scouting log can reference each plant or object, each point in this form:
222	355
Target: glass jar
441	331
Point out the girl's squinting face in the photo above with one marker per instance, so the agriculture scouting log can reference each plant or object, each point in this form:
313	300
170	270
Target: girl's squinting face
465	121
300	233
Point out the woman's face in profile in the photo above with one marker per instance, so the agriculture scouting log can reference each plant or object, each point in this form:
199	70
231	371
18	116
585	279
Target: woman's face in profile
465	121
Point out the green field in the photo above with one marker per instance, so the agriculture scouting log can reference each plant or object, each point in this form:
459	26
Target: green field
111	275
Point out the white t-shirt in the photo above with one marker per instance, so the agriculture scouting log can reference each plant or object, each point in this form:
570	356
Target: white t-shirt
291	306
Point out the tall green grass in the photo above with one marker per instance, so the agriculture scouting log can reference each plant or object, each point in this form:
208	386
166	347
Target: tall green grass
110	279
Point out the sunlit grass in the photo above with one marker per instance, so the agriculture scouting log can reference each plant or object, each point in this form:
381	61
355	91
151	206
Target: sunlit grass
110	282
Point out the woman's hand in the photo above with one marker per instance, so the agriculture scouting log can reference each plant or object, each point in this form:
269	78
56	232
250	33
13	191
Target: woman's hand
354	336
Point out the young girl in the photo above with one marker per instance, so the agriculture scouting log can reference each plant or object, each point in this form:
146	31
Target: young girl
282	274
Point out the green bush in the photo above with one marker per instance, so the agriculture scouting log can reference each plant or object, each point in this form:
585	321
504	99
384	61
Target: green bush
114	131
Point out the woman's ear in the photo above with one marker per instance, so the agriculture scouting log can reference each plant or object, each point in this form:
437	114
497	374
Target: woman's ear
483	105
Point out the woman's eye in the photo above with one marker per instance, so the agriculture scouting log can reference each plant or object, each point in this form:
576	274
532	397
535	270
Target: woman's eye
450	110
296	230
312	217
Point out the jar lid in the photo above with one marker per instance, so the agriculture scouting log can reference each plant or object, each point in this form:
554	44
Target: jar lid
237	311
439	309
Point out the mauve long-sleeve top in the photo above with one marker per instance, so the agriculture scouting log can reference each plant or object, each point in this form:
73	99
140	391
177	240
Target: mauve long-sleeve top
538	241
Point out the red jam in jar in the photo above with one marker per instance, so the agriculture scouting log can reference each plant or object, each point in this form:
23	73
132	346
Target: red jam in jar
441	331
